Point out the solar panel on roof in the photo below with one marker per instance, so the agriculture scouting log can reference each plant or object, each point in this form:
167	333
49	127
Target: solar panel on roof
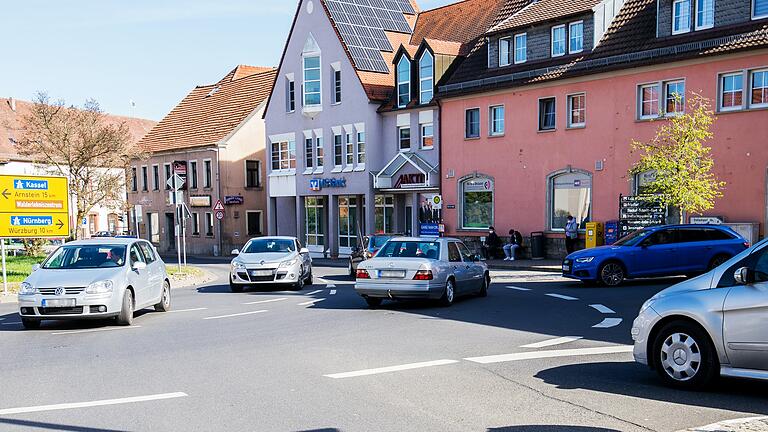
405	6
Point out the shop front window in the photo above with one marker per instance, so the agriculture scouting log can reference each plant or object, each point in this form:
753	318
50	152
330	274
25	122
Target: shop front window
476	202
385	208
571	195
347	222
314	221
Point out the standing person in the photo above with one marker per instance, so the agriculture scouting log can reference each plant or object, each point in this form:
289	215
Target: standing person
492	242
515	242
571	234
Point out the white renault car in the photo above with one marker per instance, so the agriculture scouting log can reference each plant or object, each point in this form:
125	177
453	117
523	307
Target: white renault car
271	261
97	278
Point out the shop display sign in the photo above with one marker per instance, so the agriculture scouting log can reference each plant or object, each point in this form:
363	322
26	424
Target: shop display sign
410	180
200	201
319	184
478	185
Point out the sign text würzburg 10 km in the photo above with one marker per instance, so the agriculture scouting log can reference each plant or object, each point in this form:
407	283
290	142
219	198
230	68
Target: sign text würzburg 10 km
33	206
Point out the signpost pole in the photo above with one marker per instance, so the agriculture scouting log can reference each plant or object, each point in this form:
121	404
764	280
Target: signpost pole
136	221
176	203
184	239
5	279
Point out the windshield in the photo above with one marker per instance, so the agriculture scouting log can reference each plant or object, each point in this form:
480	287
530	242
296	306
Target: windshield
410	249
269	246
86	256
634	238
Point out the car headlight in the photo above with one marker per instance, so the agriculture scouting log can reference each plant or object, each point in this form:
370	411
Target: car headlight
288	263
26	288
236	265
100	287
585	259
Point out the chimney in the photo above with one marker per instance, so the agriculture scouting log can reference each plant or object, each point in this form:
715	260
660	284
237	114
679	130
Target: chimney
12	103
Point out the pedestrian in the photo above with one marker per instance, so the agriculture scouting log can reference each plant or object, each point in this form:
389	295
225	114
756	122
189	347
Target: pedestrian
515	242
492	244
571	234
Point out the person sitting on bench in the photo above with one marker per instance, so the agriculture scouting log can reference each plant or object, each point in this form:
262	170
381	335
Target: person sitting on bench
515	243
492	244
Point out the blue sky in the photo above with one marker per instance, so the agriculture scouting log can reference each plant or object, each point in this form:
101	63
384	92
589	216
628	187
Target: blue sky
149	51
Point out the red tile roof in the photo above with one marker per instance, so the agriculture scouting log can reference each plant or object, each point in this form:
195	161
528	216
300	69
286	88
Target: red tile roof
544	10
11	126
210	113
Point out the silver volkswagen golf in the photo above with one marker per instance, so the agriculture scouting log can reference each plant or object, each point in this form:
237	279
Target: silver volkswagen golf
97	278
714	324
428	268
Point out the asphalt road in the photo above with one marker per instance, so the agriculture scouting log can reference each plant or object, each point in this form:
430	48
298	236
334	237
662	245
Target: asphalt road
538	354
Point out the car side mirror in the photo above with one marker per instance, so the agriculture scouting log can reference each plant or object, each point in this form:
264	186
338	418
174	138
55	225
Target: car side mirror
139	266
35	267
235	252
304	251
477	258
744	276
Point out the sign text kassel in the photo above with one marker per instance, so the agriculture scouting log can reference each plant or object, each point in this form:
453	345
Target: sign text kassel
34	206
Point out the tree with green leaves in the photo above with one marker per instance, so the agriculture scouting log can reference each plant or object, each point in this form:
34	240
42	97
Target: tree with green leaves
680	160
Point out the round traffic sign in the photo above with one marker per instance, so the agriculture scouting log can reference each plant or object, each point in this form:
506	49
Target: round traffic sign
219	215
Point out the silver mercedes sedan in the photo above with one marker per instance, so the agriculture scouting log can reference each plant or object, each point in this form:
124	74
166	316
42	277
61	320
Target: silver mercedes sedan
713	325
271	261
421	268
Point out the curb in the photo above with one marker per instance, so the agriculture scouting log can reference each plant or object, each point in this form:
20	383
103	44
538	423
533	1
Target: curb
749	424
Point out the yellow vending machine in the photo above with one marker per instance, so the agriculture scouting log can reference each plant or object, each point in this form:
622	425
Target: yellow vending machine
595	234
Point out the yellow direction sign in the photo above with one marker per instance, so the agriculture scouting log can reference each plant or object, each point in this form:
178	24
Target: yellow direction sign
33	206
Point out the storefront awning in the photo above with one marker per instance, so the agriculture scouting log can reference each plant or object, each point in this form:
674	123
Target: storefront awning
407	171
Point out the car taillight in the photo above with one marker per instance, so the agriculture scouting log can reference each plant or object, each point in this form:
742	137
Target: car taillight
362	274
423	275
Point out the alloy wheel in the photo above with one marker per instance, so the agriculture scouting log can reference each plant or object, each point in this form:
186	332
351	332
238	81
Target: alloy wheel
680	356
612	274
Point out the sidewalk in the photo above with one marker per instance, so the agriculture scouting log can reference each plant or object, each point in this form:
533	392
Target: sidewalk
545	265
754	424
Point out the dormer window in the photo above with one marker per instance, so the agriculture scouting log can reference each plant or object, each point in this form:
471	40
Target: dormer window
403	82
681	16
576	37
558	41
426	77
312	91
705	14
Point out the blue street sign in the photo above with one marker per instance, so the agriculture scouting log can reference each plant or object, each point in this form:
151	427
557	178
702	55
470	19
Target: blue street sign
28	184
429	229
31	220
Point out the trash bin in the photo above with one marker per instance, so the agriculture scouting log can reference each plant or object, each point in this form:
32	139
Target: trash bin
595	235
538	240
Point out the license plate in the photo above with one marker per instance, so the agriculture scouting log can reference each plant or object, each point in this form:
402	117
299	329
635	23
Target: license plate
566	268
58	302
261	273
398	274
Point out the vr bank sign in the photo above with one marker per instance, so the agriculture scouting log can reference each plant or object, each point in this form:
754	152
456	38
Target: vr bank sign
318	184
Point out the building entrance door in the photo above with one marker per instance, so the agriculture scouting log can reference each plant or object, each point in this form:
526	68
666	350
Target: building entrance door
170	231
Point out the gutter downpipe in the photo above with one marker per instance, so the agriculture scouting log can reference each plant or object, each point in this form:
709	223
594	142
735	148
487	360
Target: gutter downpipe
218	193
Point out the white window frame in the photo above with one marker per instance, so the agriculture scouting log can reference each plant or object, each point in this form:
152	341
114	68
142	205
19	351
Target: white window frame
403	81
337	89
540	124
570	37
422	135
349	148
659	93
479	120
753	9
492	120
698	25
206	183
569	107
508	41
400	147
167	173
666	85
751	88
196	224
308	148
430	79
319	151
524	37
319	81
290	95
209	223
721	91
687	28
192	175
564	41
338	153
360	150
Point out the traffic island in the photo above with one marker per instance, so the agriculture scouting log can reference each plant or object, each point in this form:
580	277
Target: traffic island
188	276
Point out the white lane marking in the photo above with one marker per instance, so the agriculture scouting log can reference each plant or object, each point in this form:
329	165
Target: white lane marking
311	302
95	330
551	342
266	301
12	323
560	296
313	292
403	367
518	288
330	286
188	310
1	318
64	406
602	309
550	354
608	323
234	315
333	292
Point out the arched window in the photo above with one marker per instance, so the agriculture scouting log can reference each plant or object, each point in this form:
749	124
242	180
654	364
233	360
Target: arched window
403	82
426	77
570	194
476	202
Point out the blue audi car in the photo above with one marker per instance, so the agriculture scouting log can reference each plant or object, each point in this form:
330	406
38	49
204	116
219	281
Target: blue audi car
669	250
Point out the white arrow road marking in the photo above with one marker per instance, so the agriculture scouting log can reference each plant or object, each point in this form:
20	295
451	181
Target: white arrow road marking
608	323
519	288
551	342
311	302
602	309
104	402
333	292
266	301
330	285
188	310
550	354
96	330
560	296
235	315
313	292
403	367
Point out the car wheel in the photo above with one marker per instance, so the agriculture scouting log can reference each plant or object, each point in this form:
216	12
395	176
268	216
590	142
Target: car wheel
165	300
30	324
717	261
125	318
351	270
684	356
235	288
612	274
484	288
299	285
373	302
449	293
